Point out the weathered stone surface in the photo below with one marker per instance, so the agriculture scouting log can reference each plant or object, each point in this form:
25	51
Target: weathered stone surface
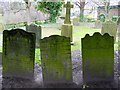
67	30
56	59
76	21
67	27
98	24
1	27
68	6
0	58
110	28
18	53
37	30
98	58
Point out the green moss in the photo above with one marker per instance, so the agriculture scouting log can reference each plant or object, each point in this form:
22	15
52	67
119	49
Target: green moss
37	56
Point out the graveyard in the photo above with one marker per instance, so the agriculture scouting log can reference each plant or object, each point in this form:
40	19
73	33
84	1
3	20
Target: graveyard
68	53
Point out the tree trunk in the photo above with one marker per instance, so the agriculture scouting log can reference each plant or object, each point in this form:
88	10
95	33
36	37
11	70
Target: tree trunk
81	15
28	4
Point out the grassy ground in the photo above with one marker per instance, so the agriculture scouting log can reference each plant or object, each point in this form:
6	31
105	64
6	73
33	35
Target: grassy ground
78	33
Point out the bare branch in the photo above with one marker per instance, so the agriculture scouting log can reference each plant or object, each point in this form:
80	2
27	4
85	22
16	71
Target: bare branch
86	3
76	3
18	11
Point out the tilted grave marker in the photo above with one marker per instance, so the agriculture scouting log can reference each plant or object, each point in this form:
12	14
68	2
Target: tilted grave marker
18	53
37	30
110	28
56	59
98	58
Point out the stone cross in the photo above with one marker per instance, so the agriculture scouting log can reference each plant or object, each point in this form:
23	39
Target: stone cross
68	6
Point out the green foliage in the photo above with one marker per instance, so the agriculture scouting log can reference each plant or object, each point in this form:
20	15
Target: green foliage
102	17
118	21
114	18
81	16
52	8
90	20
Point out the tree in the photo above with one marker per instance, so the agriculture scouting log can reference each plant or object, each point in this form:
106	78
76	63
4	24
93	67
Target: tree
81	4
28	5
105	4
53	8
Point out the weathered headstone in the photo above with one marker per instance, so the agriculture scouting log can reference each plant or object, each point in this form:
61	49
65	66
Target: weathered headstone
67	27
37	30
118	31
18	53
98	58
98	24
0	58
76	21
110	28
56	59
0	70
1	27
118	28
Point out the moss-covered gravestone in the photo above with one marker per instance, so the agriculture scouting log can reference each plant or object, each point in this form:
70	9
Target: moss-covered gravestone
37	30
110	28
18	53
98	24
56	59
76	21
67	27
98	58
0	58
1	27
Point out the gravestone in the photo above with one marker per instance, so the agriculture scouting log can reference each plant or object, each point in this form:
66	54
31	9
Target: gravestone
0	70
18	53
98	24
118	31
67	27
37	30
118	28
76	21
56	59
0	58
1	27
98	58
110	28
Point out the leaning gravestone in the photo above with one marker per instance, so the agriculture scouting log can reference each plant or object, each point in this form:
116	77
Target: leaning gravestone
18	53
37	30
98	58
56	60
110	28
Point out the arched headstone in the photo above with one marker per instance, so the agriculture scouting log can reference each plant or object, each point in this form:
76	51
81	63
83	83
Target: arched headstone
18	53
56	59
98	58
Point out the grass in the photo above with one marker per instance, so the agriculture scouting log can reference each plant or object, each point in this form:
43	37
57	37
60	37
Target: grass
78	33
